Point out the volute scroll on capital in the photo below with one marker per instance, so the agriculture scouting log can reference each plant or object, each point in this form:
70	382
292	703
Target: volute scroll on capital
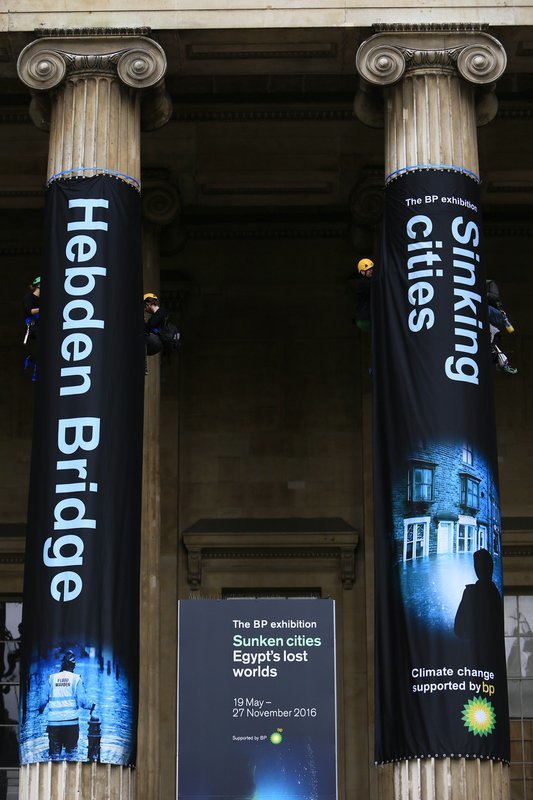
160	202
138	61
384	57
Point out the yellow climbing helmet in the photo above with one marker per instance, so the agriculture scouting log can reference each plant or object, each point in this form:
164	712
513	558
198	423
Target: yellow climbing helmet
150	296
365	264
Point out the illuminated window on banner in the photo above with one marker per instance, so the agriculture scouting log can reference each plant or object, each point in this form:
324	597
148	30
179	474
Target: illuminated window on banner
468	454
421	483
470	492
416	538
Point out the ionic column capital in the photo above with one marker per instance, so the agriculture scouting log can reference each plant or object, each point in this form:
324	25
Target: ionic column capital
367	198
473	54
161	201
136	61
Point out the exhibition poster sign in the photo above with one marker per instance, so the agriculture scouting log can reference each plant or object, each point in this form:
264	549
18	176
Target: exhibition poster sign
256	700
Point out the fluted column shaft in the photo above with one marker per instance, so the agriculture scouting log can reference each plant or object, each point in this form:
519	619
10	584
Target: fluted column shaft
431	121
437	87
106	141
92	92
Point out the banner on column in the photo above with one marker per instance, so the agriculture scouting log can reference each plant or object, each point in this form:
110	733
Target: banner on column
440	662
256	700
81	585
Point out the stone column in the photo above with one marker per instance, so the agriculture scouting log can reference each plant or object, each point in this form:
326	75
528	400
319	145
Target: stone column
92	91
160	205
437	85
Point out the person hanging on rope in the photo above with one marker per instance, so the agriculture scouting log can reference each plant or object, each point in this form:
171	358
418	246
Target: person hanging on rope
30	306
161	335
363	294
498	322
156	318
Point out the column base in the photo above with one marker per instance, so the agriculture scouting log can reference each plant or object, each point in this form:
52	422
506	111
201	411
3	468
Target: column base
450	778
65	780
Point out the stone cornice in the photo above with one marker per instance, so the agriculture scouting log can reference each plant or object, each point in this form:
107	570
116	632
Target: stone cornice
47	33
517	544
288	231
268	115
12	549
232	115
247	54
333	231
20	250
433	27
507	230
257	546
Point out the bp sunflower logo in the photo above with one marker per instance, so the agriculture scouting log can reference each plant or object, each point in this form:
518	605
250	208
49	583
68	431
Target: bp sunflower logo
479	716
276	737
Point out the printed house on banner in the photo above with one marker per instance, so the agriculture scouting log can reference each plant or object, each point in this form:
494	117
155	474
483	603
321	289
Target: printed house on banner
446	503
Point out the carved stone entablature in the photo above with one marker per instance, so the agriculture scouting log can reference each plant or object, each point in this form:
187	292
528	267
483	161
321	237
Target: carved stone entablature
136	61
262	545
394	53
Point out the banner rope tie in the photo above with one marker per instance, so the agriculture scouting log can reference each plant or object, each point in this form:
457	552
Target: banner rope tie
99	170
421	167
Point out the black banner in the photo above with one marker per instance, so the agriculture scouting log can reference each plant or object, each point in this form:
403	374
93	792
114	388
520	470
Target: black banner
440	661
81	585
256	700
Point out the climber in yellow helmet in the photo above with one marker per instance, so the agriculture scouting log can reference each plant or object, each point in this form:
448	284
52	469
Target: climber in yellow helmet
365	269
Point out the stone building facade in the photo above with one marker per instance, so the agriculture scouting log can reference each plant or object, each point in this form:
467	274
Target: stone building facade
262	154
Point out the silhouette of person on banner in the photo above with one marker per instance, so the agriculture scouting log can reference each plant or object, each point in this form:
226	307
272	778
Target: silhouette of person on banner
479	618
64	695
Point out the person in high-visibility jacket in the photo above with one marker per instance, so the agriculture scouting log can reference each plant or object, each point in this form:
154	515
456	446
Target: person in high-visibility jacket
64	695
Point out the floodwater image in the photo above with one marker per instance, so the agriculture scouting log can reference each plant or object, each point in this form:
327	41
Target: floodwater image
288	772
105	709
263	771
432	588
